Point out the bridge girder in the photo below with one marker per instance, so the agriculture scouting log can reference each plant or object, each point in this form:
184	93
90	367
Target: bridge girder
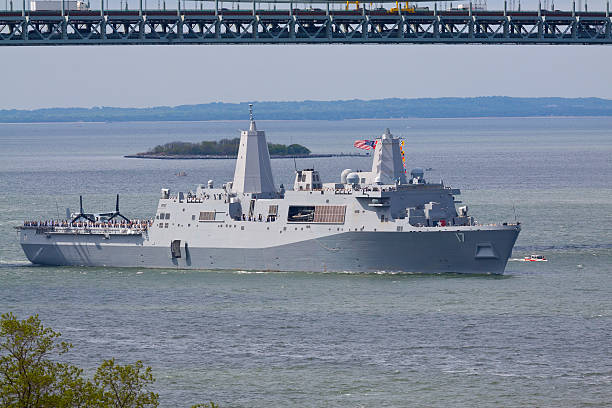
287	27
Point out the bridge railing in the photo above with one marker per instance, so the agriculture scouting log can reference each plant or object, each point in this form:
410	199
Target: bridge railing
298	26
392	6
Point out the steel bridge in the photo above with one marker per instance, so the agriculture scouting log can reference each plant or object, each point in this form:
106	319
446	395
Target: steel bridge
327	25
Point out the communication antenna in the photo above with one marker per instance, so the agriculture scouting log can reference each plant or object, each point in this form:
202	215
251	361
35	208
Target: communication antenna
514	211
251	112
294	162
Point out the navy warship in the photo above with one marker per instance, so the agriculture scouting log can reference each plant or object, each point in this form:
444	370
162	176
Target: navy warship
382	220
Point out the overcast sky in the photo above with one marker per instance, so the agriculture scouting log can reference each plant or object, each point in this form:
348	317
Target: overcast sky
127	76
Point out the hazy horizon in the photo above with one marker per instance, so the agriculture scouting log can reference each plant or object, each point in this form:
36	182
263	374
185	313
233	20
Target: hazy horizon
146	76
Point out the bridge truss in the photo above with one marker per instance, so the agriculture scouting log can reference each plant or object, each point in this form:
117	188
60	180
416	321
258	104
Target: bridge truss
309	26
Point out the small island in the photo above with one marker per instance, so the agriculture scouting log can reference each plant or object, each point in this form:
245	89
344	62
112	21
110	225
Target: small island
224	149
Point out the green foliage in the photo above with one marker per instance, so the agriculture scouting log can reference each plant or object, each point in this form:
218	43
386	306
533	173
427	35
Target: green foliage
31	376
125	386
224	147
291	150
207	405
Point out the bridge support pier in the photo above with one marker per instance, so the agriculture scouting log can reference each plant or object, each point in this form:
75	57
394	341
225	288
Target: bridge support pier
609	22
179	21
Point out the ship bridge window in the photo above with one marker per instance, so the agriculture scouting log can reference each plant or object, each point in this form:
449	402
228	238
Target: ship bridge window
323	214
207	216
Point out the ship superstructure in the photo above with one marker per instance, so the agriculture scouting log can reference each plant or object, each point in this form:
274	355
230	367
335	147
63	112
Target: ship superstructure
380	220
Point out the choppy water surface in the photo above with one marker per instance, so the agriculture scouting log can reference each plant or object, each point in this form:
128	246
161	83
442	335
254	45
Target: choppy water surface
538	336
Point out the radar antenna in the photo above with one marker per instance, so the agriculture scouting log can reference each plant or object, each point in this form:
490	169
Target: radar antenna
252	125
81	213
115	213
294	162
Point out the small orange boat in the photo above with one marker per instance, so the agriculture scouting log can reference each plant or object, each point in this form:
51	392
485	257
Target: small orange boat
535	258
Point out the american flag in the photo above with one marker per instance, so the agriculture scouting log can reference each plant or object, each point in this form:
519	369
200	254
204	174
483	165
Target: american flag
365	144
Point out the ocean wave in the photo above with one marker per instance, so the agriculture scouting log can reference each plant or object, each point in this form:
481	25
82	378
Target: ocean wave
252	272
562	247
15	264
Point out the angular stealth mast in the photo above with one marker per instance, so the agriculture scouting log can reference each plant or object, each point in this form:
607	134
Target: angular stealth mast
253	172
387	166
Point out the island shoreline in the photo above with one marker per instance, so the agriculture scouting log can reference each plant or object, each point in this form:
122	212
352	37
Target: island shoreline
225	157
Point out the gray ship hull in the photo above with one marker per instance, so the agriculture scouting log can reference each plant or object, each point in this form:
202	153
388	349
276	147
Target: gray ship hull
464	250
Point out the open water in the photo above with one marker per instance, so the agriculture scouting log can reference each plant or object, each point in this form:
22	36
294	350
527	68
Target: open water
541	335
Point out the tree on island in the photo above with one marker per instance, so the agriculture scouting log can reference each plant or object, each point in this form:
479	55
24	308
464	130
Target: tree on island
223	147
32	374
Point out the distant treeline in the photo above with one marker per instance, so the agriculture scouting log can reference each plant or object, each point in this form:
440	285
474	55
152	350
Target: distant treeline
493	106
224	147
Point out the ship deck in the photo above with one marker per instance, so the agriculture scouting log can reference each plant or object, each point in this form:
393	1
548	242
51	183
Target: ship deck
49	227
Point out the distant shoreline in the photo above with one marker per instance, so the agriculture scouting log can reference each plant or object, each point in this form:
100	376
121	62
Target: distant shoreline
322	120
220	157
356	109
